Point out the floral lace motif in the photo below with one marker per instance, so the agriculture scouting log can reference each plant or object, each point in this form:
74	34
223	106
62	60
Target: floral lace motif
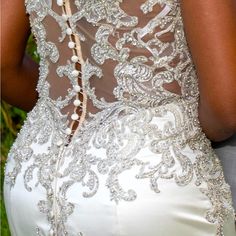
124	127
122	141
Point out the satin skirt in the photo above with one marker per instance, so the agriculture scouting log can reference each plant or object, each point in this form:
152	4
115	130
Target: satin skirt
175	211
172	210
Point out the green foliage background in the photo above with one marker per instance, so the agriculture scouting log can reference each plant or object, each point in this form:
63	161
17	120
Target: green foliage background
11	120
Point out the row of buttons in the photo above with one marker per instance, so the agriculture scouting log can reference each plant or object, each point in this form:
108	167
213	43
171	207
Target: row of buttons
75	73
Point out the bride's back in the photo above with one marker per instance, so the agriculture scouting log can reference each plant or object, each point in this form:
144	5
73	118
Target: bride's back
130	51
142	162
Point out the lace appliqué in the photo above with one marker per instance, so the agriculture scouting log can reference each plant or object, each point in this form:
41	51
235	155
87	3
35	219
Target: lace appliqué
124	127
122	140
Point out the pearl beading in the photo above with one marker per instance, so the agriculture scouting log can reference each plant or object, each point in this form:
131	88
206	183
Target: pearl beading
108	17
75	73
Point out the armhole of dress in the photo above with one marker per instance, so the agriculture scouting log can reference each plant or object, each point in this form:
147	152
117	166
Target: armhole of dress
78	52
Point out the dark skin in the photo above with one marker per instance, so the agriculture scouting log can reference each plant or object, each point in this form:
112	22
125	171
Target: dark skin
210	27
19	73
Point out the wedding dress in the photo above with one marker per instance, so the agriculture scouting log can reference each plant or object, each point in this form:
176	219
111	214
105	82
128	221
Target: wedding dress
113	146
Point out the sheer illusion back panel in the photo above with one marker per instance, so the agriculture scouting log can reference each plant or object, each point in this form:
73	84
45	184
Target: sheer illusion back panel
113	145
133	48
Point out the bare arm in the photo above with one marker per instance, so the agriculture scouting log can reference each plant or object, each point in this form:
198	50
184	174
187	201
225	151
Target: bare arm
210	27
19	72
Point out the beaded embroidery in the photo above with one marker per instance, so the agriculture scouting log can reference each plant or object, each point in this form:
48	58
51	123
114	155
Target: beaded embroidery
141	96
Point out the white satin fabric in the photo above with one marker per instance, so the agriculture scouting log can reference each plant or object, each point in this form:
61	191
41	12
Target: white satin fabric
175	211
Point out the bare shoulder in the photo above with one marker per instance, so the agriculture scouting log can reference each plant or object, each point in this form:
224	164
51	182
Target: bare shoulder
15	30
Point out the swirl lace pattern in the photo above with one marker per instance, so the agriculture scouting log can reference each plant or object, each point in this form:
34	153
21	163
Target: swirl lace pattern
121	128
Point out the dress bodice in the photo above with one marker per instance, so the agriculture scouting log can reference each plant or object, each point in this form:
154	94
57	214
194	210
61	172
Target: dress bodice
115	125
98	52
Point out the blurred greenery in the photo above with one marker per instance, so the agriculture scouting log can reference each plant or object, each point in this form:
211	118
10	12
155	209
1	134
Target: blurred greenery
11	120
